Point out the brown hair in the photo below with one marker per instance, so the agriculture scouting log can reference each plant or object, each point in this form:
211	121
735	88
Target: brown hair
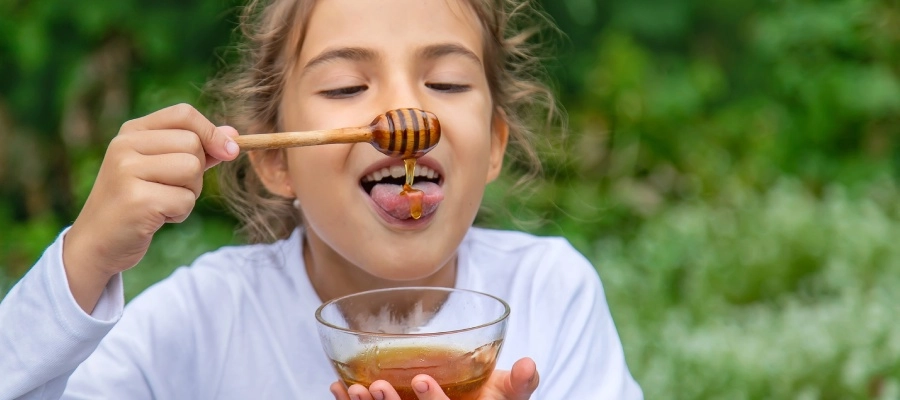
249	94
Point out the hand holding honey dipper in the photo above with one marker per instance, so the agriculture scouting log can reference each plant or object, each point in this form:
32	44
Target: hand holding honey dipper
139	189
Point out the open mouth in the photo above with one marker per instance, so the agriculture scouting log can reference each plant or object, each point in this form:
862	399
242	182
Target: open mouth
385	187
396	175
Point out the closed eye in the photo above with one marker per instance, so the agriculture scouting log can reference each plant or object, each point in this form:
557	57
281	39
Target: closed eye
448	87
344	92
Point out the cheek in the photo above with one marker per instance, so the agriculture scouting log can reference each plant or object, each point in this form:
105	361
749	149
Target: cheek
472	140
312	171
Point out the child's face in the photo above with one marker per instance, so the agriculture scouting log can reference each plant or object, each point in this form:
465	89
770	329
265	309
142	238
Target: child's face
360	59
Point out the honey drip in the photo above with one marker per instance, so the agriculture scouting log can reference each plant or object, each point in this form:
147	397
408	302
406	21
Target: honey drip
415	200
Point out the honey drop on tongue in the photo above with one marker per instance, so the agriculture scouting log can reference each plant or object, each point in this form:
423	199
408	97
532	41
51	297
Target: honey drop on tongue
414	195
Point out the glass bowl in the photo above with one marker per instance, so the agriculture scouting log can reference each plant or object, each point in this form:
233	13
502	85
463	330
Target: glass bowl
453	335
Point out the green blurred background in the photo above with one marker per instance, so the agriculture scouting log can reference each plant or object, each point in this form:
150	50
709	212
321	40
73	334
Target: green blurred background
731	169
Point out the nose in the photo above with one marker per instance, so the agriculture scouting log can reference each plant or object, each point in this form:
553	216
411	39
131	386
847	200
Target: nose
400	92
405	127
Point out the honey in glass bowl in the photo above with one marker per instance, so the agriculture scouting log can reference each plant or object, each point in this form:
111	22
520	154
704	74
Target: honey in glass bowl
452	335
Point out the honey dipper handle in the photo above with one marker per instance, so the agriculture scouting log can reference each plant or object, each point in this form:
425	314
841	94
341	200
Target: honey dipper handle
282	140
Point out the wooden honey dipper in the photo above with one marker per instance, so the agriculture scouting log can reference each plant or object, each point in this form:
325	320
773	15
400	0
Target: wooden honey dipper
403	133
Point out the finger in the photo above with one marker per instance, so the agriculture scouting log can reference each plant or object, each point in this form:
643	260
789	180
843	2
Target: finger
427	388
173	141
523	378
173	169
231	133
383	390
216	143
164	141
359	392
163	203
339	392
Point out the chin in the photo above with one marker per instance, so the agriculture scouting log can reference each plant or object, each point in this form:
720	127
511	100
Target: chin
407	268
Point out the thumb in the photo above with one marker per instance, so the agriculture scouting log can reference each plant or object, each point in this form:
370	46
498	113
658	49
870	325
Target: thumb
224	135
218	142
523	378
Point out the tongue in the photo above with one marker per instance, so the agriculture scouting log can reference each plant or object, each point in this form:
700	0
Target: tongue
387	196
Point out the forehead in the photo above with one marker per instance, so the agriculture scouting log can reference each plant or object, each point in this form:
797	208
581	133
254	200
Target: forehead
390	27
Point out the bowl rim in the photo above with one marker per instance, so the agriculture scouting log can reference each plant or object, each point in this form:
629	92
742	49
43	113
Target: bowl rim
497	320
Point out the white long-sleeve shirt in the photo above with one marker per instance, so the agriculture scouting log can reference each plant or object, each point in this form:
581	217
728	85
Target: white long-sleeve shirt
239	324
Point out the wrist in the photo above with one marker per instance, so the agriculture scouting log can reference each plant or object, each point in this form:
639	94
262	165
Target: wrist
86	278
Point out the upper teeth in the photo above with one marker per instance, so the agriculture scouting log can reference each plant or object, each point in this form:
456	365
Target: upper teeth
398	171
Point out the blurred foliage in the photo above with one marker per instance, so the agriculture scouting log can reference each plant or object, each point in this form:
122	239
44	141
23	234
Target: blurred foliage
730	168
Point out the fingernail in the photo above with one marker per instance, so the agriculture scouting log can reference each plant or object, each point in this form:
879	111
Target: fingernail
378	395
354	397
231	147
421	386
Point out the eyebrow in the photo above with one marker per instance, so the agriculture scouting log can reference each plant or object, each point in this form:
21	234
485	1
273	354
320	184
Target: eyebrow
343	53
445	49
430	52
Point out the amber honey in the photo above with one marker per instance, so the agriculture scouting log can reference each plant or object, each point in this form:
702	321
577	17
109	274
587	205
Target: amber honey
415	195
460	374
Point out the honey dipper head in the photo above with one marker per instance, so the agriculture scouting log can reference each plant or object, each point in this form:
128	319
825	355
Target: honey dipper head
405	132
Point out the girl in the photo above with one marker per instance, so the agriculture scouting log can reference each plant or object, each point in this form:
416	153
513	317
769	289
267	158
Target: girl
238	323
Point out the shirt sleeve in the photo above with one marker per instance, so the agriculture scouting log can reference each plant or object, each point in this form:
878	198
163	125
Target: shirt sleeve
587	360
44	334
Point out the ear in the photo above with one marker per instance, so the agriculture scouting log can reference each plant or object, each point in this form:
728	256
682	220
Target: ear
271	167
499	139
